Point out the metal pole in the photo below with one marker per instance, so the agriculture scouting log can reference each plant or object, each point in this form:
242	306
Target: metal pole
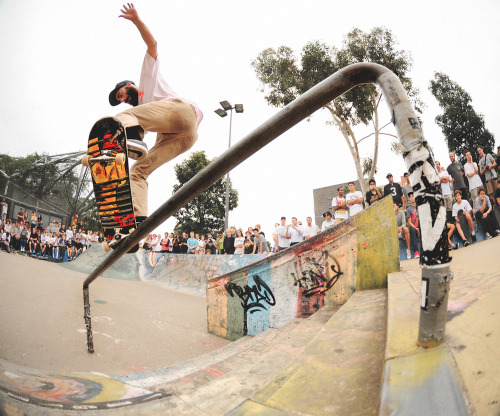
417	155
226	221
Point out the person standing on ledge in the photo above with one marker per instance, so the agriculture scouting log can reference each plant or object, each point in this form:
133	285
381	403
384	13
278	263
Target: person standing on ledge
157	108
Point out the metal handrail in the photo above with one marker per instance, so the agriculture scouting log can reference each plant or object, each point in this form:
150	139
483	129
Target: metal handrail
418	158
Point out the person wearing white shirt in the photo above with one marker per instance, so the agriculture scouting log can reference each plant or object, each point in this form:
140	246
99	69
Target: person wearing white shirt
354	200
296	232
156	108
328	223
282	235
310	230
464	206
445	179
339	206
472	172
69	233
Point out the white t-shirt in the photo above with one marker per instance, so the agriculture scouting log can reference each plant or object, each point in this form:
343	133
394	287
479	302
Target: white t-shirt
238	241
69	234
445	186
311	231
153	87
158	245
296	236
474	181
327	224
354	208
464	205
340	213
282	241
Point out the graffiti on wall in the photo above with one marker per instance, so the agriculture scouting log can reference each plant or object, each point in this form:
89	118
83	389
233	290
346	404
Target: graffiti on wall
253	298
320	277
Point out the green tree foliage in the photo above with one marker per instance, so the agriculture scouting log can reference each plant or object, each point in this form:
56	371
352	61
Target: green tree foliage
283	79
46	179
462	127
206	212
35	178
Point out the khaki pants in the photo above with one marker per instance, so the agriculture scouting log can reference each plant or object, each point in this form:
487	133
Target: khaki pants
177	127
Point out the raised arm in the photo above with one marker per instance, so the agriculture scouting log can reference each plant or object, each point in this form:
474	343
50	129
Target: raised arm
129	12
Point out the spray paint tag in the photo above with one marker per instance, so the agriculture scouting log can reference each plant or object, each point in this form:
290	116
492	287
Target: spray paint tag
424	293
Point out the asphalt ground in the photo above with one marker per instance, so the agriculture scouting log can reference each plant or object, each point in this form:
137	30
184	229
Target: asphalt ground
137	326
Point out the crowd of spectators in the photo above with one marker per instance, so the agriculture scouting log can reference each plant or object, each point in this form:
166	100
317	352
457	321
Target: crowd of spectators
233	241
476	202
468	198
26	235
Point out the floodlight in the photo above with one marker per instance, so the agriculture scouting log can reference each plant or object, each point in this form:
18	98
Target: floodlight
220	112
226	105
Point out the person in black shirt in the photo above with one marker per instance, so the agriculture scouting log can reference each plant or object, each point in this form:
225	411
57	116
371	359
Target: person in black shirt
373	195
210	244
184	243
176	244
229	242
395	190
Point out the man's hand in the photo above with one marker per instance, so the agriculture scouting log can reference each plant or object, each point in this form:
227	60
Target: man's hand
129	12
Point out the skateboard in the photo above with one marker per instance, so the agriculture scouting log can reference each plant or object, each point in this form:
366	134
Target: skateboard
108	162
465	225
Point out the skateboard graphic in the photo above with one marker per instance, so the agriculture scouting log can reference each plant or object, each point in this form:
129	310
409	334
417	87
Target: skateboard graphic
108	163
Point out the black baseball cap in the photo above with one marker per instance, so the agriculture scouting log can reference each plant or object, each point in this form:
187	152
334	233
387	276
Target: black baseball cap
112	95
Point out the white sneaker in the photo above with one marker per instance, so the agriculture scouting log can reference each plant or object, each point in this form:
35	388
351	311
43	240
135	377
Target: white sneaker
137	149
408	254
488	236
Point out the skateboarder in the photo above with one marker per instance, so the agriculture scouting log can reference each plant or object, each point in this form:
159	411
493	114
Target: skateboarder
156	108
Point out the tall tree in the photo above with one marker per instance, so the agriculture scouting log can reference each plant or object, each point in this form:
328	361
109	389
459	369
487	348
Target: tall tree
206	212
53	179
462	127
283	79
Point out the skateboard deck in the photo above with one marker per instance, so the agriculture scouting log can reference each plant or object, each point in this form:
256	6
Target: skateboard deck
108	162
465	226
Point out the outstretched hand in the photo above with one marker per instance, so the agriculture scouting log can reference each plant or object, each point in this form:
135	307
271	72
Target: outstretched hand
129	12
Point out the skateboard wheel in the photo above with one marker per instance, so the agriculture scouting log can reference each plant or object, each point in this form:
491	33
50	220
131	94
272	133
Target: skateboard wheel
120	159
105	246
131	230
85	160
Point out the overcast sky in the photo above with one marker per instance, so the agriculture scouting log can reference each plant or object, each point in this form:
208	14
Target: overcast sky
60	59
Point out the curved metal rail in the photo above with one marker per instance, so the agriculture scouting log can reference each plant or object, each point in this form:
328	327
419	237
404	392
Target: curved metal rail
418	158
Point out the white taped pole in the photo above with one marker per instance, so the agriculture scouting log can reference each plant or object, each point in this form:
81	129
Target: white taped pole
434	258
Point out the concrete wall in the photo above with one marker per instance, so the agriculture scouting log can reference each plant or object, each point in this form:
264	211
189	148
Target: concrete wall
355	255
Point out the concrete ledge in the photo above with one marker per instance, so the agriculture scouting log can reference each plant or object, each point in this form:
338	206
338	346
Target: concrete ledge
416	381
339	372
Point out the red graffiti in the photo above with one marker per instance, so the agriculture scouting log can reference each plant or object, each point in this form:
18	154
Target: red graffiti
125	221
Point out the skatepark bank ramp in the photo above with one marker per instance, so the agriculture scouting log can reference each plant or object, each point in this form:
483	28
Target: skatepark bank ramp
325	270
186	273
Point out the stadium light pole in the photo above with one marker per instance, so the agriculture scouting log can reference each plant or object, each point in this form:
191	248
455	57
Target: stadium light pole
222	112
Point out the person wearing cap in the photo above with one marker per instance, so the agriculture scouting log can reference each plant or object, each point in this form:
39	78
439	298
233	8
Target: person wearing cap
157	108
328	223
395	190
282	236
